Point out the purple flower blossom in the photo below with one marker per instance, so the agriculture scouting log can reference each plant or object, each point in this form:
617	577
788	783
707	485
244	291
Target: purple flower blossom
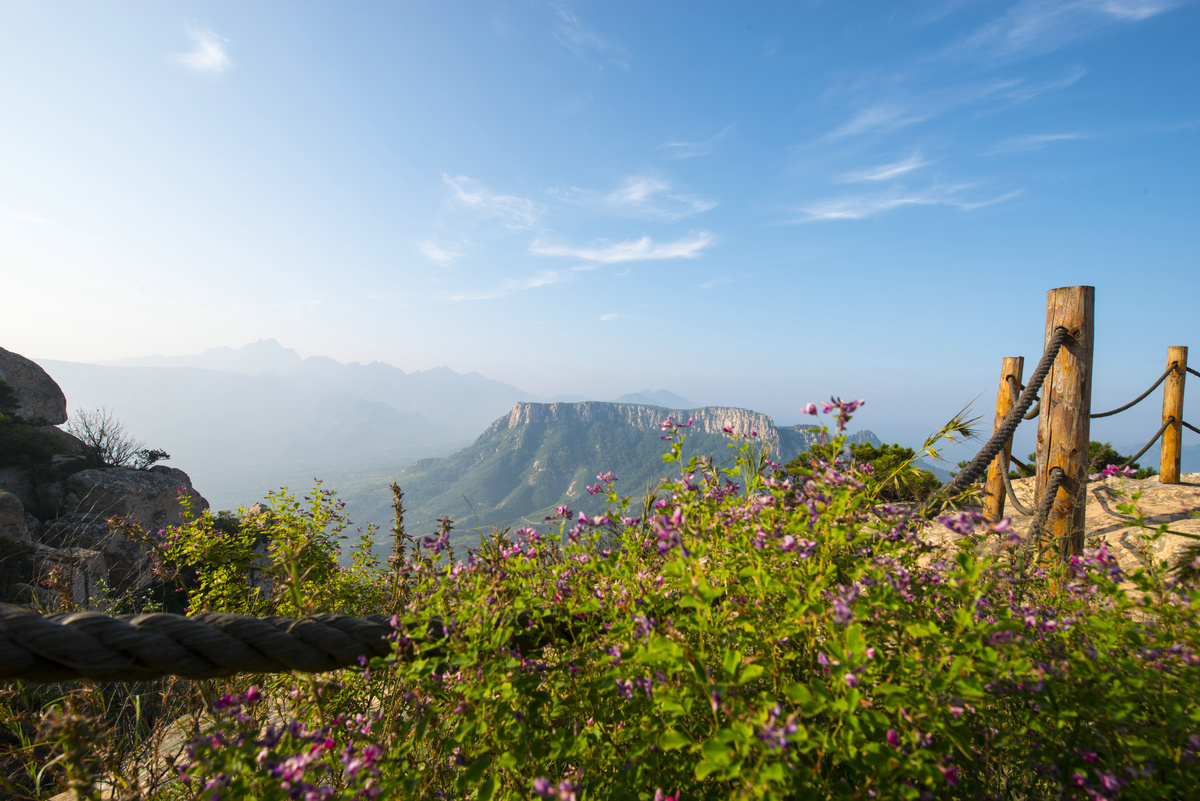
893	738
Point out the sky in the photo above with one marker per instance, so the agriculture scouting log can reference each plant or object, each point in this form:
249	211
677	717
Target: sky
753	205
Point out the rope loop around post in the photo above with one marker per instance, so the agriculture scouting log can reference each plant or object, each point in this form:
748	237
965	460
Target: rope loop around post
982	459
1037	408
1174	366
1046	504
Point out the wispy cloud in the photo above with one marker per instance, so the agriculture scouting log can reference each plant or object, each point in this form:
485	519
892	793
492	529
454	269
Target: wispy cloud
1037	142
512	210
649	196
902	109
885	172
1038	26
610	317
587	44
690	150
207	54
642	196
435	252
716	282
513	286
863	206
644	249
886	116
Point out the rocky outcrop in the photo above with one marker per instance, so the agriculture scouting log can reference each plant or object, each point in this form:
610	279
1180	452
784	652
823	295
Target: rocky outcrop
39	398
149	499
71	535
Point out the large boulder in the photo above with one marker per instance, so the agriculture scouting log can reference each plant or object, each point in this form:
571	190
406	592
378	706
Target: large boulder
12	518
19	482
39	398
147	498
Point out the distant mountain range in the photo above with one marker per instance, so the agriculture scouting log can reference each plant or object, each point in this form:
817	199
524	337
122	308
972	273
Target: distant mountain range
242	421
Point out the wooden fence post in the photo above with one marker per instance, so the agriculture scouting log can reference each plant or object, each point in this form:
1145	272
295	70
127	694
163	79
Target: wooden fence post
993	496
1172	438
1064	423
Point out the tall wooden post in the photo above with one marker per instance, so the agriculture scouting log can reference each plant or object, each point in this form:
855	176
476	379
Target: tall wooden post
993	496
1168	462
1064	424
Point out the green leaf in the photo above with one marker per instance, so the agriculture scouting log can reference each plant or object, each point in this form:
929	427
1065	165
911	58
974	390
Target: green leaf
672	739
716	752
705	768
750	673
487	789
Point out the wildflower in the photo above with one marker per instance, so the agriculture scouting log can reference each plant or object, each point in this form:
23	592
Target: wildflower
893	738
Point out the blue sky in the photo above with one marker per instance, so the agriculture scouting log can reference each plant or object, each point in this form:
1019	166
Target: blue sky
750	204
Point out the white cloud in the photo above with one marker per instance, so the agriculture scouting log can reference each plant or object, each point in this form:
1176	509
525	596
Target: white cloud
1039	26
609	317
644	249
586	44
689	150
648	196
207	53
716	282
886	116
886	171
435	252
862	206
512	286
514	211
1036	142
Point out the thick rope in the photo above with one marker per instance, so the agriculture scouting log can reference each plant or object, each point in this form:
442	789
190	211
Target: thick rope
1054	481
1139	398
95	646
1189	425
974	470
1015	389
1008	487
1136	456
1193	372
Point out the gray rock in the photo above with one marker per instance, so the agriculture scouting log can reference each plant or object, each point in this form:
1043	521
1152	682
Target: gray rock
76	572
18	481
12	518
40	398
129	562
148	498
34	527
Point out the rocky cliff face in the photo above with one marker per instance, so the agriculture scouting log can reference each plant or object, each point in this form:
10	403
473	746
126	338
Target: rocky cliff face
69	532
786	442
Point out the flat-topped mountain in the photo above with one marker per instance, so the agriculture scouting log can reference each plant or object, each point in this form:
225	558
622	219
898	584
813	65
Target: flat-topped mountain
543	455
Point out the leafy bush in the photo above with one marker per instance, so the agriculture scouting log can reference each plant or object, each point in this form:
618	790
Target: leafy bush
107	443
795	641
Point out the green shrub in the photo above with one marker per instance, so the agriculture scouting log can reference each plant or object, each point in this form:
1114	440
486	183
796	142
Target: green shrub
781	644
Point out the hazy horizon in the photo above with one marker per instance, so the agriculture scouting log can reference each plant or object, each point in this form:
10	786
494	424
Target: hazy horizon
753	206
